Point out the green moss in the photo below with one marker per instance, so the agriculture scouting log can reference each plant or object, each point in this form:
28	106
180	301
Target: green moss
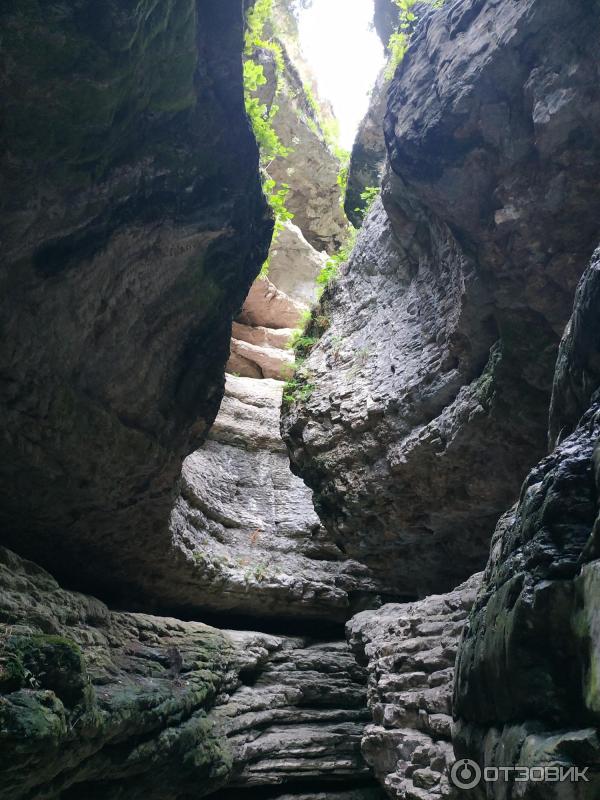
47	662
12	673
400	39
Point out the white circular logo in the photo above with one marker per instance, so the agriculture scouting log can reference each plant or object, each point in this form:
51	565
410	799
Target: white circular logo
465	774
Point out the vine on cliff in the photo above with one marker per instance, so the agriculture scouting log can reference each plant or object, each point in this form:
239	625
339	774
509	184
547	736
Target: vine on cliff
400	39
261	117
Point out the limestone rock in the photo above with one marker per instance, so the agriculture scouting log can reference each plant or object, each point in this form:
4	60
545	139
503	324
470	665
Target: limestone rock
106	705
311	168
294	265
428	394
245	537
525	691
132	226
385	19
301	717
268	307
264	361
368	157
92	700
409	652
259	335
577	374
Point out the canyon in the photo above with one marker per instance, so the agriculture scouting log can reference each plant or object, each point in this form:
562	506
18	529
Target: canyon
299	492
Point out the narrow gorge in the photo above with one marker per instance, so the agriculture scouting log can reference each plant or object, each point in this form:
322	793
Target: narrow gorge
299	487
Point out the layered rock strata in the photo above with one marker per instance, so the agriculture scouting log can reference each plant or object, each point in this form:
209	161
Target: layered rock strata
109	705
244	526
526	691
245	537
133	223
426	400
409	653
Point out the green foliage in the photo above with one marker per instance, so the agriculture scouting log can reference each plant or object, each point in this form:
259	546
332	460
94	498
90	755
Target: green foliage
370	194
256	21
276	197
297	388
400	39
330	271
261	118
302	344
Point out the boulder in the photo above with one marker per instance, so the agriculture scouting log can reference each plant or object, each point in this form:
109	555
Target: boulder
294	265
266	306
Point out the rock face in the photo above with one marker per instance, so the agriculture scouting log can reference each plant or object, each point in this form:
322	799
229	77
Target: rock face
100	704
307	705
368	157
577	375
107	705
244	529
132	226
426	399
409	652
526	690
245	539
385	19
311	168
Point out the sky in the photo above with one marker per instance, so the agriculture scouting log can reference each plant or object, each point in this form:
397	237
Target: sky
345	55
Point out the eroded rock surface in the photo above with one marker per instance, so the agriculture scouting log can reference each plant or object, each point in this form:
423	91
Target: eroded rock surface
426	400
368	157
132	226
244	529
311	168
107	705
409	652
526	691
577	375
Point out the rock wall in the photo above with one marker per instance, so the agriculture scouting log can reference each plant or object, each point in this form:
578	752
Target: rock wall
132	226
426	399
245	538
107	705
248	539
526	691
311	168
409	653
368	157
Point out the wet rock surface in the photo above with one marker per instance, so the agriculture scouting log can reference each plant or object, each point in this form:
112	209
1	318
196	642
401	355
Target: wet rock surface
132	226
409	652
429	391
109	705
525	690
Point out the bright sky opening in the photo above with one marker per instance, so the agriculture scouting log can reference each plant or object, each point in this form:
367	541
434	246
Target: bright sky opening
345	54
